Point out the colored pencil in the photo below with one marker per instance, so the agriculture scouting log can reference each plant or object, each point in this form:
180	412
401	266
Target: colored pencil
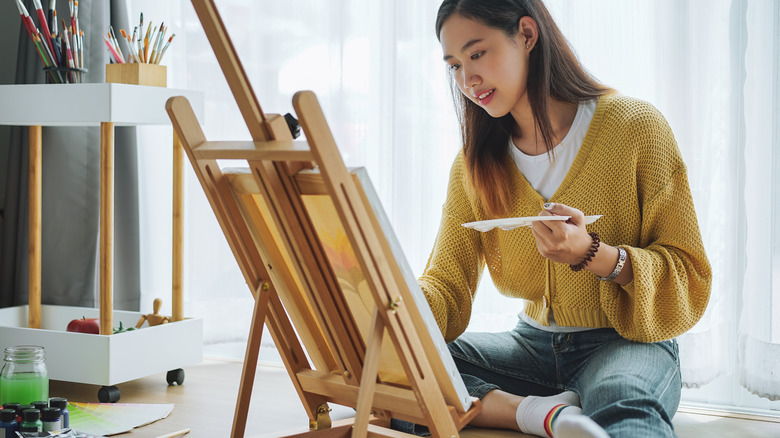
55	76
47	49
44	56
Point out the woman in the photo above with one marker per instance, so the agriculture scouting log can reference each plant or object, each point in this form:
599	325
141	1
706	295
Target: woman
605	301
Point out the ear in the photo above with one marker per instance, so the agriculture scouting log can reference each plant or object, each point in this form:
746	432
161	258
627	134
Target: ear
528	32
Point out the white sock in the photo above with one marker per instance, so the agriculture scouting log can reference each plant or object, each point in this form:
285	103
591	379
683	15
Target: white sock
538	415
578	426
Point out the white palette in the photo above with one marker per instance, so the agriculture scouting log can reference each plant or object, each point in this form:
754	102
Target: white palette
511	223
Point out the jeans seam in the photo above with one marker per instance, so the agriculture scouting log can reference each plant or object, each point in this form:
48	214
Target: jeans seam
668	384
502	372
582	366
557	363
674	354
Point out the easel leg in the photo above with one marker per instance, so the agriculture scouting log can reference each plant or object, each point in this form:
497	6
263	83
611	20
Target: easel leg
35	190
368	380
250	360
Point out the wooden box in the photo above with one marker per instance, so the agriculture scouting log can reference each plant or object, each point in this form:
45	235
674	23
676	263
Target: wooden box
137	74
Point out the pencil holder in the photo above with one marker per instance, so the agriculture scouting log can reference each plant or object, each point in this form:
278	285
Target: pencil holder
137	74
65	75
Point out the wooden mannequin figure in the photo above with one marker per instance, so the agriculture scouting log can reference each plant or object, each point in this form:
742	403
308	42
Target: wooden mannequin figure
154	318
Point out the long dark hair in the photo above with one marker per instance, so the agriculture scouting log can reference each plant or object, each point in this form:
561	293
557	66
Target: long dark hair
554	71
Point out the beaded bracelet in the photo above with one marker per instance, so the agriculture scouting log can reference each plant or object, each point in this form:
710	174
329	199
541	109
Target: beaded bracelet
594	246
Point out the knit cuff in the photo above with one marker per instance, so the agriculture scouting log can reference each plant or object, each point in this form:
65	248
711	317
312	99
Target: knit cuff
632	257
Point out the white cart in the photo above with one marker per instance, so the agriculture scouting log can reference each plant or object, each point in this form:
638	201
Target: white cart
104	359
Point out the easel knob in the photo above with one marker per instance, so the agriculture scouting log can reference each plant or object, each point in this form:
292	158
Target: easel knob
395	304
292	123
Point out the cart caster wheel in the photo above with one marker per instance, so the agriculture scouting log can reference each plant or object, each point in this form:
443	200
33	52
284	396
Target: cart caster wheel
108	394
175	376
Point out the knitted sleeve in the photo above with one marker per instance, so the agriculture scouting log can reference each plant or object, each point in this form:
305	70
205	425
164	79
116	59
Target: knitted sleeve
454	267
672	275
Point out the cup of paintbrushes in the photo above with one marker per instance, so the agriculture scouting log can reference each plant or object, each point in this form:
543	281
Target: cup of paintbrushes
64	75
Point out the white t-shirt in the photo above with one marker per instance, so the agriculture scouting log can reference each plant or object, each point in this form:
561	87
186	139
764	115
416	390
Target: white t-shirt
545	175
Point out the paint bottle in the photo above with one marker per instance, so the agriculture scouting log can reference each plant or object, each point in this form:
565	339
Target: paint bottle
51	419
31	421
39	405
8	424
15	407
20	412
62	403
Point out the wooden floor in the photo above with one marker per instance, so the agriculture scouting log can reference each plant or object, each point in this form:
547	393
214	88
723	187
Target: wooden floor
206	400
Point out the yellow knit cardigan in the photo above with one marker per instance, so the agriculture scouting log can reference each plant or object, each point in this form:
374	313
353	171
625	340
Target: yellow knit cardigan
629	169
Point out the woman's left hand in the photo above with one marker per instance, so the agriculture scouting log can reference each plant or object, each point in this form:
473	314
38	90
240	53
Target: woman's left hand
562	241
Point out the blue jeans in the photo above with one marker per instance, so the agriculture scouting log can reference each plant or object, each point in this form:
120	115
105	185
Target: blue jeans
631	389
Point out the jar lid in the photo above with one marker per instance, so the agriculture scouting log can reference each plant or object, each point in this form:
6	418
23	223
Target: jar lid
59	402
51	414
31	415
8	415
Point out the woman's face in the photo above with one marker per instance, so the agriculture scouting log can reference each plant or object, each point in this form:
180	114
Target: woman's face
489	68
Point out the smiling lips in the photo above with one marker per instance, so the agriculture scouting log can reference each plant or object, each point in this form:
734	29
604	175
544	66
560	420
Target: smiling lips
486	97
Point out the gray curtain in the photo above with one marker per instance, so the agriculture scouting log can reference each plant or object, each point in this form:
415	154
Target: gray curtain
71	156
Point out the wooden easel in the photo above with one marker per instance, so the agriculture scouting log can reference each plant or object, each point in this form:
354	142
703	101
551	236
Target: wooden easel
390	368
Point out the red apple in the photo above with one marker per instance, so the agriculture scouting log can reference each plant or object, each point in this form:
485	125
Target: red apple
84	325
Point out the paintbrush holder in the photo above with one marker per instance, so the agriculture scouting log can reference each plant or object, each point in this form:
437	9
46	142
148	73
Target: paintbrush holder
137	73
64	75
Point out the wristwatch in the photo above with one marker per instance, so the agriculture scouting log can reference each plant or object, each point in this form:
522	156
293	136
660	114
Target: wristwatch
619	267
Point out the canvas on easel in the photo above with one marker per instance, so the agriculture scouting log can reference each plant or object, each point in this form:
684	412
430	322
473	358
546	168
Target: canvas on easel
328	276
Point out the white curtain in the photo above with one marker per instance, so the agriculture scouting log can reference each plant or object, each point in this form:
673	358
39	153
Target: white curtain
759	329
711	67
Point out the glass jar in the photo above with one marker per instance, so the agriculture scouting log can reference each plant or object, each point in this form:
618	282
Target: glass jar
24	378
